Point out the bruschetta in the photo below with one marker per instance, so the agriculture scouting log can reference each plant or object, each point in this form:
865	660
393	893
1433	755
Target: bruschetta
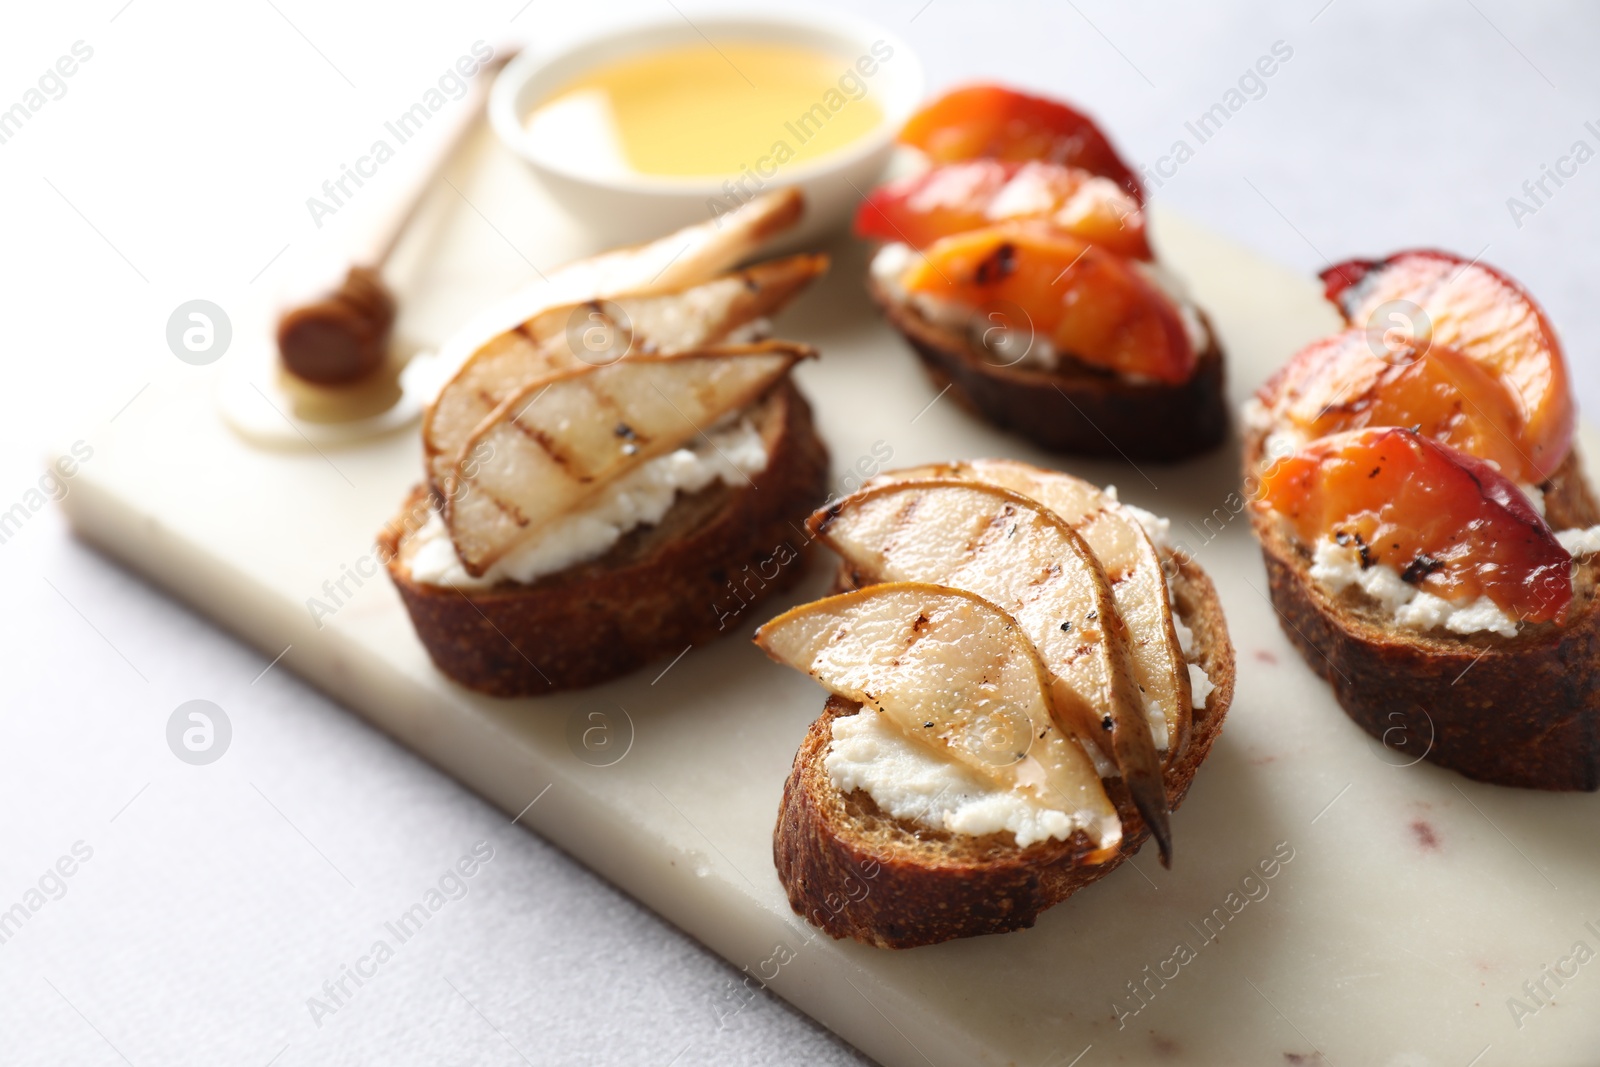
1429	535
1022	683
1015	263
601	477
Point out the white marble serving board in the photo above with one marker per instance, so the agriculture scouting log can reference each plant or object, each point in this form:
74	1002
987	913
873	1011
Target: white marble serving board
1415	905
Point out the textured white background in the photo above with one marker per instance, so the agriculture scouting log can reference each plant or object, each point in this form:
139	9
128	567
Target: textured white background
218	899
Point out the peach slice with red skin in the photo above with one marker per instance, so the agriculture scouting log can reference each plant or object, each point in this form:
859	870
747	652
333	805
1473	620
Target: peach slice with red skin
1450	524
1340	383
994	122
957	197
1483	314
1090	304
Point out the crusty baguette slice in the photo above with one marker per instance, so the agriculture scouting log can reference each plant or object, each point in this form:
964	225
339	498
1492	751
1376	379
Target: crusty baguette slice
1520	711
686	580
855	872
1073	409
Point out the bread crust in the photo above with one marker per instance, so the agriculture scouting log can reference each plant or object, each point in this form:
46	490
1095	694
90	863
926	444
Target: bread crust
857	873
683	581
1073	409
1521	711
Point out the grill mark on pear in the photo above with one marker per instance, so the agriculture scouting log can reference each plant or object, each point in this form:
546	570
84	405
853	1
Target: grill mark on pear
507	509
551	449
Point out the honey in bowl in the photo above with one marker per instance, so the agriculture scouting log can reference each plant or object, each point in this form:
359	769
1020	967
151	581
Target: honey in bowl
699	111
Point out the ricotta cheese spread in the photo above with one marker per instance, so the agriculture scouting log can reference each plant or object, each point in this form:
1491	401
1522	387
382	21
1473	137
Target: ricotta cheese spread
1580	542
1256	415
1535	497
731	451
1281	440
912	781
1338	567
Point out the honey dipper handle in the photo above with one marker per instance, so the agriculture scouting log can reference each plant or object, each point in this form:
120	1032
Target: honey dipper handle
444	148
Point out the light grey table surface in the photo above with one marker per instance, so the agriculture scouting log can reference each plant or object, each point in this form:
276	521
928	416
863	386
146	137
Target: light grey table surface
175	164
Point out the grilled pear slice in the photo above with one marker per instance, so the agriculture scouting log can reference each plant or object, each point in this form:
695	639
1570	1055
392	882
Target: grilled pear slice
693	254
559	338
1024	558
956	673
1132	565
555	443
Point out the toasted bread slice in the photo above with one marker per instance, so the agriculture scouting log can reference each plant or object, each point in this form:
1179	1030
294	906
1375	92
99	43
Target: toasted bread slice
1519	711
1073	408
682	581
856	872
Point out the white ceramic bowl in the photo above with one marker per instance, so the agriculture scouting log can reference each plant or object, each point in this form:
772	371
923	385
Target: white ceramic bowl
625	208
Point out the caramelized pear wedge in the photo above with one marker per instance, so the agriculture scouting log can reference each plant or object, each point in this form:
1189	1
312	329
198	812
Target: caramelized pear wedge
599	332
1025	559
556	442
693	254
1132	565
956	673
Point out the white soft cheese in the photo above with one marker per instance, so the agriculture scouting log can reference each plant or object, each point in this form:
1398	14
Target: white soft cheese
732	452
1280	444
912	781
1156	527
889	264
1200	682
1185	636
1535	497
1580	542
1281	439
1255	415
1338	567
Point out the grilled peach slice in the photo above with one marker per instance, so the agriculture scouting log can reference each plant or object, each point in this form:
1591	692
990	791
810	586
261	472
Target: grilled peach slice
1450	524
1090	304
1341	383
1481	313
957	197
993	122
